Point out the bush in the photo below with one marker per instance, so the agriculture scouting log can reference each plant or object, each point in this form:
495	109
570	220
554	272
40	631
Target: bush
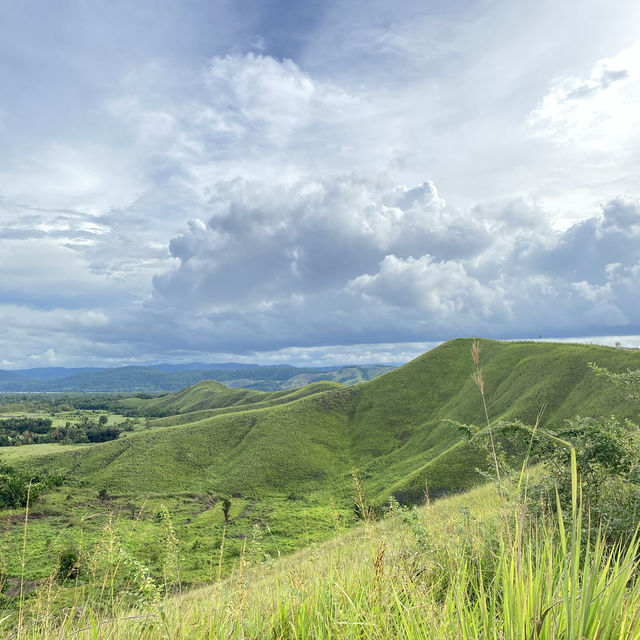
98	434
604	452
67	565
607	453
15	492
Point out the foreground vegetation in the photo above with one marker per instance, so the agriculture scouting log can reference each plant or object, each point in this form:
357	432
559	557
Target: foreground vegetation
471	566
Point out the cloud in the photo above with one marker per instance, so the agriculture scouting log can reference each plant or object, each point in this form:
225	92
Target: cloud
58	257
264	244
167	192
48	357
357	259
252	92
87	177
44	274
75	335
241	114
443	290
601	110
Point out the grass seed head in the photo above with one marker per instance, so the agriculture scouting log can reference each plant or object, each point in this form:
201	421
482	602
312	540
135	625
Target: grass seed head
475	353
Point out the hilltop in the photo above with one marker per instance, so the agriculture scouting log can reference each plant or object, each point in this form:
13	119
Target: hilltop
208	398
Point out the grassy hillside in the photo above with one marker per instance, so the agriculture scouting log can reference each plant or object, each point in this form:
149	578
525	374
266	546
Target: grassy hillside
285	459
522	378
464	567
212	395
391	428
347	376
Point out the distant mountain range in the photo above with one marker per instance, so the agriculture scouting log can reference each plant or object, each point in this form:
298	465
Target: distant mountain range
171	377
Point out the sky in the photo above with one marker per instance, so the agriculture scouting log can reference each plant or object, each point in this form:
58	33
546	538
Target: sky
314	182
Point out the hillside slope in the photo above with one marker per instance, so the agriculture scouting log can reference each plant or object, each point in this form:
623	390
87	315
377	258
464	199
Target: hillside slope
391	428
210	395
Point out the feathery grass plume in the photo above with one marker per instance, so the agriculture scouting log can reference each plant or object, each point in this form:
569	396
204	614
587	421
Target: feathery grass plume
241	587
479	382
275	544
171	565
336	517
427	497
378	565
256	550
111	557
43	607
362	509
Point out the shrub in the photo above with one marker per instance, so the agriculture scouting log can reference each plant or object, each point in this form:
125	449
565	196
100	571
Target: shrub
226	509
104	434
67	565
15	492
603	452
607	454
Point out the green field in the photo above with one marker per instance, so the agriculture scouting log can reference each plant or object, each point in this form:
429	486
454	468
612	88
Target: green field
285	459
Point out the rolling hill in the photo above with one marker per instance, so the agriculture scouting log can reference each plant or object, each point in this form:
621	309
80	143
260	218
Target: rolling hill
392	428
284	460
209	397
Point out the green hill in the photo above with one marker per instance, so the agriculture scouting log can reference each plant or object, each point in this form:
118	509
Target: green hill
285	459
392	428
207	397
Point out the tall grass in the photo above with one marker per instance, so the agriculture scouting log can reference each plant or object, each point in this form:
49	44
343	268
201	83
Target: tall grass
452	569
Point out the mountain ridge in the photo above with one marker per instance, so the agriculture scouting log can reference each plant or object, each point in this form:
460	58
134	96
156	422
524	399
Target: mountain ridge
164	378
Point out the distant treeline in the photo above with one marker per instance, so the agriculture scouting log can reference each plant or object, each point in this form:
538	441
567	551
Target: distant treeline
56	402
24	423
26	430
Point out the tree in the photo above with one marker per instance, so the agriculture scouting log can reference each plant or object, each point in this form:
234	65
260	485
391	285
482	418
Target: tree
226	508
16	491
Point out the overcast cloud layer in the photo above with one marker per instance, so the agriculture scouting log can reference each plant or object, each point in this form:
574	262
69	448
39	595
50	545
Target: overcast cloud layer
332	182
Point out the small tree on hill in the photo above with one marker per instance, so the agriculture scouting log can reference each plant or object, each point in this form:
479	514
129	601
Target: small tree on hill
226	508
